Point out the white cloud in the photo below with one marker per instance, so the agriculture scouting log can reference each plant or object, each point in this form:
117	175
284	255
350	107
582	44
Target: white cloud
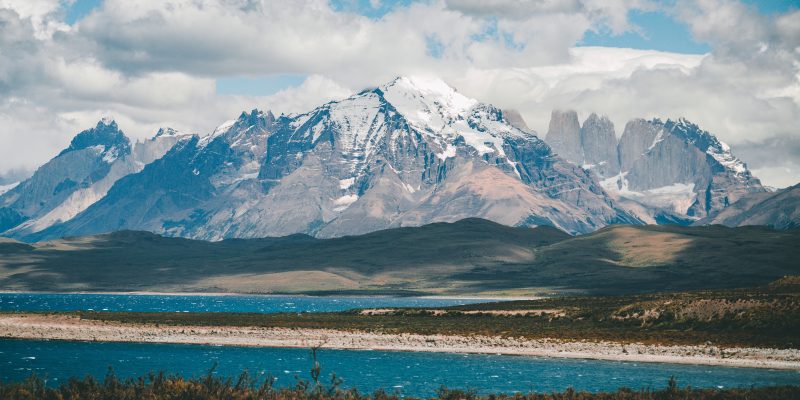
782	176
313	92
40	13
154	63
536	91
611	15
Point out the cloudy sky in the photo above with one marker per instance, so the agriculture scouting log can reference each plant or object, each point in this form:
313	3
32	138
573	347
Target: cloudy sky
732	67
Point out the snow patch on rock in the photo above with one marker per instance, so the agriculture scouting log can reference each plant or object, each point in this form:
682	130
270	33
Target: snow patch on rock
345	201
677	197
345	184
5	188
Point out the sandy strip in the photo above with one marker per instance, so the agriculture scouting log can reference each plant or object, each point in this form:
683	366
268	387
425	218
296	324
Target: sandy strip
62	327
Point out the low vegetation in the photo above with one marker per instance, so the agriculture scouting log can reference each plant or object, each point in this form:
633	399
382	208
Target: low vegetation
162	386
768	316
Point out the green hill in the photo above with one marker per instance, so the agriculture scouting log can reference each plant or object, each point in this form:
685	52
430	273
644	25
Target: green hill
472	256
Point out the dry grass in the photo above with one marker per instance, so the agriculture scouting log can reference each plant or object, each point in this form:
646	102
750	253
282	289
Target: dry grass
764	317
160	386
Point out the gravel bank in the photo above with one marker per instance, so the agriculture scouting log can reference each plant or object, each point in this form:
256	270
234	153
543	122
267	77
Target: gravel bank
61	327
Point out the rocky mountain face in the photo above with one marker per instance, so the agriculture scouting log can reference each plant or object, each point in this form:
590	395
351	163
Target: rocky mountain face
515	119
591	146
564	136
688	164
178	193
78	177
407	153
662	171
597	139
87	160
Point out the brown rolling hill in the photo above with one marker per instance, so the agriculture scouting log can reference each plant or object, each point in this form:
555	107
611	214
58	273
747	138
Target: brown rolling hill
469	257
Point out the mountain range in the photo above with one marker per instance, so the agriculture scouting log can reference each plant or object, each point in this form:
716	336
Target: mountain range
408	153
664	171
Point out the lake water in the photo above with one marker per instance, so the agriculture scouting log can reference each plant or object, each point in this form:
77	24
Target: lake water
412	374
209	303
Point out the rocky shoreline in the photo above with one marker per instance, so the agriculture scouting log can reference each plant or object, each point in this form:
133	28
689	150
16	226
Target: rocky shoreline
73	328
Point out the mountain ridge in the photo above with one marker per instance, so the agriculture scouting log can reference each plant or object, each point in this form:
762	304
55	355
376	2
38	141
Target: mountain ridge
95	160
668	170
410	152
779	210
407	153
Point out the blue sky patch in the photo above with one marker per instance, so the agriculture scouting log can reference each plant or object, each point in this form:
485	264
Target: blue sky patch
79	9
433	46
374	9
774	6
658	31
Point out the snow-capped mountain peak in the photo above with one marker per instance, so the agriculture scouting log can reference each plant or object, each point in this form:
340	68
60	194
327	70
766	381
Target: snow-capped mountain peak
222	128
105	137
168	132
256	117
409	152
427	103
237	131
428	106
107	120
708	143
435	108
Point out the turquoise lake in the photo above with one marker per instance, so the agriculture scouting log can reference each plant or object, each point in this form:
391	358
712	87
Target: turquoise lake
210	303
411	374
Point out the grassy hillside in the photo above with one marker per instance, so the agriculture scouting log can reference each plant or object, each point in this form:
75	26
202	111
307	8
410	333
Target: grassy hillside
623	258
472	256
390	261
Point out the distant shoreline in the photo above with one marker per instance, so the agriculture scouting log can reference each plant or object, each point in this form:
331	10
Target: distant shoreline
145	293
234	294
73	328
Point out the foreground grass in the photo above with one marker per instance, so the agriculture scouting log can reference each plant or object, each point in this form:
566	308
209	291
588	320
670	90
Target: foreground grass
763	317
161	386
